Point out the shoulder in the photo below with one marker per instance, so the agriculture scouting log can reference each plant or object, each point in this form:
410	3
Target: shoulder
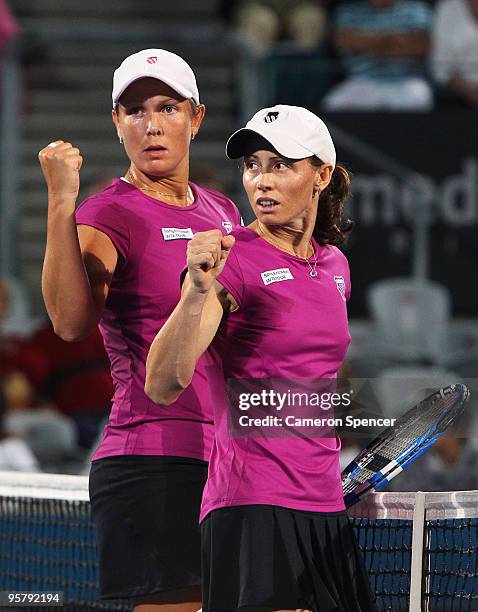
336	259
216	198
336	253
109	197
244	246
246	239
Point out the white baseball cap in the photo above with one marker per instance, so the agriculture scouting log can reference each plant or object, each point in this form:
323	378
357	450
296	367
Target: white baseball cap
157	64
293	131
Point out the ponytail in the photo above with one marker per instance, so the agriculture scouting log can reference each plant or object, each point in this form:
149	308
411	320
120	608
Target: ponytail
330	228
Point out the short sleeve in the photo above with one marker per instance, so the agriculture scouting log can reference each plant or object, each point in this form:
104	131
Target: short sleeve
235	214
105	216
345	269
348	285
232	279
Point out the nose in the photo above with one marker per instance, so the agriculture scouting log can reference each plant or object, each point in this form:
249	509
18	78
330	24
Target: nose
153	127
264	183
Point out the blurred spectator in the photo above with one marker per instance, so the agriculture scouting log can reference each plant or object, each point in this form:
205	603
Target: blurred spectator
23	363
383	44
207	176
455	51
15	313
15	454
76	379
8	25
263	22
450	465
18	364
99	181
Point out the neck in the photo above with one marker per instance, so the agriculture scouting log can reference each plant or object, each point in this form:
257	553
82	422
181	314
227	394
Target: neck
172	190
288	239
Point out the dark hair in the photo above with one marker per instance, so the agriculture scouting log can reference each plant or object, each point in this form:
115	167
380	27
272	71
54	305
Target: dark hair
330	228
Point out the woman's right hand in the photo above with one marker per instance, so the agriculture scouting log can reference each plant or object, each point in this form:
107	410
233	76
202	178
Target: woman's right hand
60	163
206	255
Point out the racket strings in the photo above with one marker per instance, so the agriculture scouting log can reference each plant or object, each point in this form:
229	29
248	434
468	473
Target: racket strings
414	431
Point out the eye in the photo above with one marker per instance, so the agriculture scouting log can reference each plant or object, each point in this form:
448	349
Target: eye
134	110
169	109
250	164
281	165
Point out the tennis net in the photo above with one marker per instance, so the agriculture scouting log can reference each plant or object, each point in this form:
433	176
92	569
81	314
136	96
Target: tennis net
421	549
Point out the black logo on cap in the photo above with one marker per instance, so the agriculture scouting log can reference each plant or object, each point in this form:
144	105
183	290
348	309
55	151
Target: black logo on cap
271	116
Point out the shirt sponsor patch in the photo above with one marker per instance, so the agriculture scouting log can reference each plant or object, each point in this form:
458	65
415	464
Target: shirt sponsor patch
340	284
275	276
227	225
177	233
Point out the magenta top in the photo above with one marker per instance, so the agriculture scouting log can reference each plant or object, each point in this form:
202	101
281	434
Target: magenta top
289	325
151	237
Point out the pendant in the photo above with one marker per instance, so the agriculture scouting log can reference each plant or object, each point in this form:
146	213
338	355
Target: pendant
313	273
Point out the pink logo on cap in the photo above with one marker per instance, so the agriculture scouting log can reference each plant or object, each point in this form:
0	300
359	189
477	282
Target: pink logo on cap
152	60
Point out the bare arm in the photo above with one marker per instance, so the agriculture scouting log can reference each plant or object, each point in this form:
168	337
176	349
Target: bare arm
193	324
79	263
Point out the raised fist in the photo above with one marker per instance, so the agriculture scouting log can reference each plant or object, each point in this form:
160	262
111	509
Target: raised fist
61	162
207	253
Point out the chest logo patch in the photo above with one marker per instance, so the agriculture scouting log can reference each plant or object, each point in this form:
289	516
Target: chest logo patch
177	233
275	276
227	225
340	284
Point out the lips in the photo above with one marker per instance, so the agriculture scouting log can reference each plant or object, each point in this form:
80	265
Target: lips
155	148
267	205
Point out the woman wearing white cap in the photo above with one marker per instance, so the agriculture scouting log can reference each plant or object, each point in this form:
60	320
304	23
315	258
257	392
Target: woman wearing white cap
271	299
116	261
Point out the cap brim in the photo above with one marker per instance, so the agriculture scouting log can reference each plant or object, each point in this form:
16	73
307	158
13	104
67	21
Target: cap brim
170	82
238	143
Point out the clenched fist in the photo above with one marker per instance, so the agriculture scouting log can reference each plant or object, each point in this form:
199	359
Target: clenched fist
207	253
61	162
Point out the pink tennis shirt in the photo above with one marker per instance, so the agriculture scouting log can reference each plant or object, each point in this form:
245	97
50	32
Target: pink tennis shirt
151	238
289	325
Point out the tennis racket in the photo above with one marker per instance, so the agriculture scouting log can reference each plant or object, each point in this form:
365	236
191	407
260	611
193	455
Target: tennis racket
399	446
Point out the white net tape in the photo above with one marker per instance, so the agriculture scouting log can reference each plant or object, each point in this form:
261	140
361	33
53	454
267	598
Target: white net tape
46	486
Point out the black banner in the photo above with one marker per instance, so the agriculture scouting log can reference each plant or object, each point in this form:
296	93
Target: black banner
399	163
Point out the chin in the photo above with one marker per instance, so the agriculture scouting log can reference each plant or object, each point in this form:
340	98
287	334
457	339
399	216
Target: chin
269	218
158	167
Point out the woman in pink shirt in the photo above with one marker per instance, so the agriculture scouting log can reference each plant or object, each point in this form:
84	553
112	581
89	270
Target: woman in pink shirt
270	299
116	261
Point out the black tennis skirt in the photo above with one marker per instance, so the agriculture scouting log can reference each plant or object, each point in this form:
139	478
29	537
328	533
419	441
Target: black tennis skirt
270	558
146	510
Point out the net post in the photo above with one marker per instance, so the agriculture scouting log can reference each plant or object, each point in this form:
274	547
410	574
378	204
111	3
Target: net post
416	569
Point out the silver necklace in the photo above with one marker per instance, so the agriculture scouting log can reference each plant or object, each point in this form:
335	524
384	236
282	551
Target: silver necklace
312	267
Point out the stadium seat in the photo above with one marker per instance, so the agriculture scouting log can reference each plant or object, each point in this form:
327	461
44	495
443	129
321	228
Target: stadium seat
399	388
411	319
